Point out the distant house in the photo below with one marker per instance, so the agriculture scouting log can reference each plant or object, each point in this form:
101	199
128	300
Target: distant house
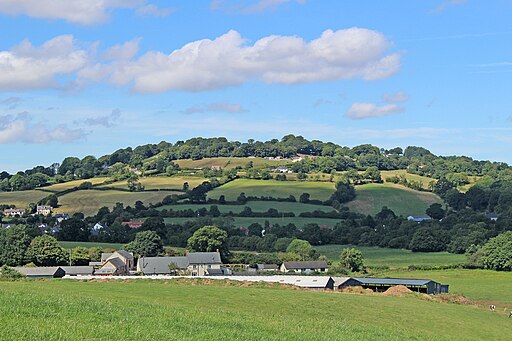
54	230
425	286
194	263
492	216
41	272
117	263
133	224
78	270
60	217
282	169
96	229
44	210
14	212
418	219
305	267
267	267
216	167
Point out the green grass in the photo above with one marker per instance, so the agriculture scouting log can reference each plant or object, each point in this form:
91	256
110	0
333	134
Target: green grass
484	286
403	201
162	182
70	245
256	206
22	198
70	184
89	201
276	189
394	258
246	221
229	162
169	310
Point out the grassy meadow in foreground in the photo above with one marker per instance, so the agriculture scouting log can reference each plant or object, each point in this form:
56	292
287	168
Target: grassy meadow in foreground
394	258
403	201
170	310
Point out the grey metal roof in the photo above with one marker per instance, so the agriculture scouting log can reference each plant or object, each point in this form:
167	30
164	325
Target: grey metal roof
300	281
125	254
341	280
160	265
306	265
117	262
78	270
204	258
393	281
268	267
40	271
215	271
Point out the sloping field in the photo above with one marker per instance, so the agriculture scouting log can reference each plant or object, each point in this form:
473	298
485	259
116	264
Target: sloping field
70	245
70	184
403	201
256	206
187	310
276	189
394	258
246	221
162	182
89	201
410	177
229	162
22	198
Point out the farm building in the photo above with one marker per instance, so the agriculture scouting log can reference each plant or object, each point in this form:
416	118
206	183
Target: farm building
195	263
341	282
78	270
117	263
310	282
133	224
305	267
267	267
425	286
41	272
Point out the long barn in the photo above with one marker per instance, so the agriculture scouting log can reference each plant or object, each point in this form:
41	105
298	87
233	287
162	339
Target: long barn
425	286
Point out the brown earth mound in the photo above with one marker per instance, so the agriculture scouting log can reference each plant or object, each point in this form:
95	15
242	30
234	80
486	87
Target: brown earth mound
397	290
356	290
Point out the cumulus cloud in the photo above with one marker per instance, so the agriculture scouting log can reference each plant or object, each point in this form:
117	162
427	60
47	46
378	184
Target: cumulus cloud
215	107
107	121
358	111
31	67
155	11
124	51
21	128
83	12
236	6
229	61
444	5
398	97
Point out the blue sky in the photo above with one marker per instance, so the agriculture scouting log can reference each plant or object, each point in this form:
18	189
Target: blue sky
80	77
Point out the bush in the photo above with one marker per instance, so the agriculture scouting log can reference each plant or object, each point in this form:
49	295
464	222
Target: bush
8	273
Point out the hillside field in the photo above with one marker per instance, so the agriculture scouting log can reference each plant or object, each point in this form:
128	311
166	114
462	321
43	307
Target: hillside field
402	200
70	184
70	245
393	258
181	310
276	189
229	162
22	198
89	201
161	182
299	222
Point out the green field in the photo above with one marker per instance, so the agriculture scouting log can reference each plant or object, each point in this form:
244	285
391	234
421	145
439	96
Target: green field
21	198
162	182
70	184
70	245
246	221
276	189
256	206
229	162
173	310
394	258
89	201
402	200
485	286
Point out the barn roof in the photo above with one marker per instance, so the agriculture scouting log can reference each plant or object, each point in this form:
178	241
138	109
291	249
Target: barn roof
160	265
306	265
204	258
41	271
393	281
300	281
78	270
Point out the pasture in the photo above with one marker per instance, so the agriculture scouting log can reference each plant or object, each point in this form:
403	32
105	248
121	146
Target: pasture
299	222
256	206
229	162
199	310
276	189
70	245
393	258
22	198
70	184
402	200
162	182
89	201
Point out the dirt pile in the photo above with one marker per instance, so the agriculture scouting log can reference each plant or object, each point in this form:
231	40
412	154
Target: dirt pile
397	290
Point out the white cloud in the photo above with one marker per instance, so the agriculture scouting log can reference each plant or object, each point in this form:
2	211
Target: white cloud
444	5
398	97
21	128
229	61
125	51
215	107
30	67
242	7
360	111
83	12
155	11
107	121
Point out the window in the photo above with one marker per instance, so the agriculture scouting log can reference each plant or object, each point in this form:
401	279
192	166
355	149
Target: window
209	266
